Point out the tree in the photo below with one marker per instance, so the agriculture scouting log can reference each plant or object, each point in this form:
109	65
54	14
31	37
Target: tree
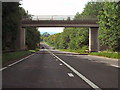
32	38
110	25
12	15
11	18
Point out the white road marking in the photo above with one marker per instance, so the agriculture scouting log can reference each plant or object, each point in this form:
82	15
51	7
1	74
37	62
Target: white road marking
16	62
89	59
3	68
70	75
79	74
60	64
56	59
115	66
20	60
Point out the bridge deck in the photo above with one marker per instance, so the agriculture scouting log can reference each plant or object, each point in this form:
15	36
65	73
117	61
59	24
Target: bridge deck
60	23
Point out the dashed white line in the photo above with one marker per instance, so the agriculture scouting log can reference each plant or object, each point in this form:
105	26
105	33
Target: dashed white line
56	59
60	64
70	75
79	74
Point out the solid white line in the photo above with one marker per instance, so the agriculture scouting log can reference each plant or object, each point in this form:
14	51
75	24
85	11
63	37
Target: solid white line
3	68
20	60
79	74
70	75
16	62
115	66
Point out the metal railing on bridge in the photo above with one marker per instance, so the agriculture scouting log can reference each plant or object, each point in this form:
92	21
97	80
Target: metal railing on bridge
57	17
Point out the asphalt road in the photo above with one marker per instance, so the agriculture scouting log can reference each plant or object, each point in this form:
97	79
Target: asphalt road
50	68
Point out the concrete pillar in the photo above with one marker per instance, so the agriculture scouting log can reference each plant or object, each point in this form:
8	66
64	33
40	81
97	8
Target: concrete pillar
93	39
22	39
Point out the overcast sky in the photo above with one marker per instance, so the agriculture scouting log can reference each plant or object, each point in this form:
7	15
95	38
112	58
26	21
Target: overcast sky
53	7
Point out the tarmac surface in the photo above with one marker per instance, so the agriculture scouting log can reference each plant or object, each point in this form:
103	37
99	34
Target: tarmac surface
51	68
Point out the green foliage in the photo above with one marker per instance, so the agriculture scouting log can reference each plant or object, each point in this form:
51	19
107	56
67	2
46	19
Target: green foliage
32	38
44	35
14	55
110	25
10	24
70	38
12	15
106	54
91	11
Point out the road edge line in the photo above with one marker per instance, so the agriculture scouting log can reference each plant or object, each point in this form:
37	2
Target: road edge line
16	62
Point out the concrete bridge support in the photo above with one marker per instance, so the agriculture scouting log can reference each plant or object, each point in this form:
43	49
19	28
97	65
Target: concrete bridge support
93	39
22	39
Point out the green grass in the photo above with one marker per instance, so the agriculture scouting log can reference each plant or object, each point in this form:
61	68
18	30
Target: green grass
75	51
80	51
6	57
106	54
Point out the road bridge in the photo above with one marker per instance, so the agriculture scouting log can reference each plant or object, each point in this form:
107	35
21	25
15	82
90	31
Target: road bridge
88	23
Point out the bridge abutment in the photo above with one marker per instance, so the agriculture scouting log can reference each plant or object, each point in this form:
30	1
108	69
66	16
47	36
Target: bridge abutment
93	39
21	39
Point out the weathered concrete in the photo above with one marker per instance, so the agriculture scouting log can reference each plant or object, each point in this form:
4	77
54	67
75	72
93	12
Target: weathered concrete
60	23
93	39
22	39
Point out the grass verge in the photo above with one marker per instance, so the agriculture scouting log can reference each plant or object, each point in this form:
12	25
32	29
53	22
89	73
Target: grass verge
11	56
106	54
75	51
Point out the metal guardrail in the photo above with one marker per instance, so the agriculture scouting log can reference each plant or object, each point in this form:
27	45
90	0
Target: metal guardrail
57	17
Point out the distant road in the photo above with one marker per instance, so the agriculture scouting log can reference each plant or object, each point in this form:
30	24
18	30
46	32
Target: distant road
50	68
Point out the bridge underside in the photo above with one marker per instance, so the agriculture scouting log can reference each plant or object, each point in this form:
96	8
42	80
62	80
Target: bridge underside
92	25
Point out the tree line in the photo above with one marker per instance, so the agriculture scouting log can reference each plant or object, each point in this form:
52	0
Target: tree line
107	14
12	15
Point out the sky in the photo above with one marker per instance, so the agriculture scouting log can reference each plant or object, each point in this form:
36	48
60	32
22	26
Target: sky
53	7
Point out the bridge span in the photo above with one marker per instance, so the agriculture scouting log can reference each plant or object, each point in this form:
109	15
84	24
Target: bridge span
91	24
60	23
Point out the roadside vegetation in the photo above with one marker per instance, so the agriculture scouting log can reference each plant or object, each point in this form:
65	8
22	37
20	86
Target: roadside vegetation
14	55
107	54
76	39
12	15
11	56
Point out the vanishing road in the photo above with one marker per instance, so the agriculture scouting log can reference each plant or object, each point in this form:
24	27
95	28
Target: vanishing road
51	68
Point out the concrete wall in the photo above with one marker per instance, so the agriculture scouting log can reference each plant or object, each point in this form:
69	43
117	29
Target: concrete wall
93	39
21	39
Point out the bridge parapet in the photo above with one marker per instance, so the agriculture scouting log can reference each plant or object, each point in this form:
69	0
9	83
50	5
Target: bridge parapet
57	17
